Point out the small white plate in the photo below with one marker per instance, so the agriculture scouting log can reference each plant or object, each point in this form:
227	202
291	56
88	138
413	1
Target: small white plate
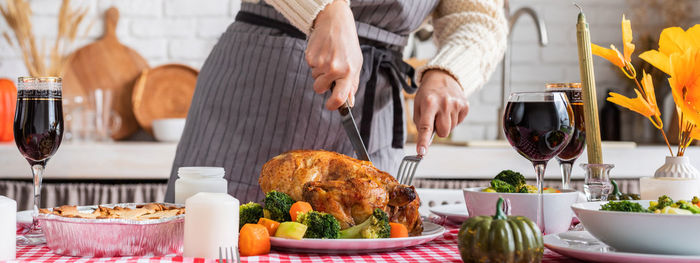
582	245
24	218
430	231
456	213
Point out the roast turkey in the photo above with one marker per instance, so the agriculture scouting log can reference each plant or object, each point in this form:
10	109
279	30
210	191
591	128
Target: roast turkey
347	188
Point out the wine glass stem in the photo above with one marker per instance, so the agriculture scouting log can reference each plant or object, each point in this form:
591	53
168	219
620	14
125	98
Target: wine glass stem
540	167
38	174
565	174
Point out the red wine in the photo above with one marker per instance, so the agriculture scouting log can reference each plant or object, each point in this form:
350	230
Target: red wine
538	130
38	126
578	139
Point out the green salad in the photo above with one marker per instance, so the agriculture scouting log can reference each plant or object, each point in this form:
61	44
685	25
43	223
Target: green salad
508	181
664	205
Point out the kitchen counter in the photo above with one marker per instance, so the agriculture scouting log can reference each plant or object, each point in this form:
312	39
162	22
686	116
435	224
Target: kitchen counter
152	160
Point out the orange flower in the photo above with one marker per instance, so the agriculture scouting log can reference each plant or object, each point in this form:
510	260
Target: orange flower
622	60
644	104
672	40
684	69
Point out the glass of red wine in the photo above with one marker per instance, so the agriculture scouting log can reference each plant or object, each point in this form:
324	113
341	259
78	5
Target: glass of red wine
38	130
573	150
538	125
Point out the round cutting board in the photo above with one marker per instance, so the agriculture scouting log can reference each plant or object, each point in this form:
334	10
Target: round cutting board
106	64
163	92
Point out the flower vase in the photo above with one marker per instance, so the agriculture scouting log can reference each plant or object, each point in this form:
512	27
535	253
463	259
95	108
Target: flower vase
677	167
677	178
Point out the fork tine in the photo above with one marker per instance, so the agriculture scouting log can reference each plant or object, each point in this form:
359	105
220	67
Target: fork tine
399	175
221	259
238	256
413	173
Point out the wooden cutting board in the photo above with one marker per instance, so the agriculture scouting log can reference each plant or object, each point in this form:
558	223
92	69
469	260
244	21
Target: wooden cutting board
163	92
106	64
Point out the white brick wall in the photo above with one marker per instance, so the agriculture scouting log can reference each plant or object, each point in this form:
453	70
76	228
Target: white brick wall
184	31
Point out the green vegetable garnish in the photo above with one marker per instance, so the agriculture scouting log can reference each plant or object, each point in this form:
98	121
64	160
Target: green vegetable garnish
623	206
320	225
376	226
515	179
249	213
277	205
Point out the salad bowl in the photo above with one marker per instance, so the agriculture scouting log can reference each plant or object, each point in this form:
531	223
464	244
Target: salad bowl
557	211
641	232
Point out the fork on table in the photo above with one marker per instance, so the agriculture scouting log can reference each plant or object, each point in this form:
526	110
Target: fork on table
229	253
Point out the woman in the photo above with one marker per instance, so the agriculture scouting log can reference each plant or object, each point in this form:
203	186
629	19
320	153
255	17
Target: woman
265	87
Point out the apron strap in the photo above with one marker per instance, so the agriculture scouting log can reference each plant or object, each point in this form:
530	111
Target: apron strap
376	60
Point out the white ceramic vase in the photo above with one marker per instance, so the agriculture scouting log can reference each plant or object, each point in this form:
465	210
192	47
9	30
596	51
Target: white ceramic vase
677	167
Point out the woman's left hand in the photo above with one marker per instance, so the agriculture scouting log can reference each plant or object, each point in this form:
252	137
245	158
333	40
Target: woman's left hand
440	104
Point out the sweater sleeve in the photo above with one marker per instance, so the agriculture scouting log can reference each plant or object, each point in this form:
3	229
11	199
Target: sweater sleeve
471	37
301	13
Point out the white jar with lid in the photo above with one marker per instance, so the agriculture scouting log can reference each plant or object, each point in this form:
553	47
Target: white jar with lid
192	180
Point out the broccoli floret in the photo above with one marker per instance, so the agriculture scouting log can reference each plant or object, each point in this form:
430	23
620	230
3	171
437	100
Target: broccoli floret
527	189
663	201
376	226
249	213
513	178
502	187
320	225
623	206
278	204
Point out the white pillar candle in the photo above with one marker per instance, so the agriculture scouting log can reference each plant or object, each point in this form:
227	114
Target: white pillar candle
676	188
211	221
8	228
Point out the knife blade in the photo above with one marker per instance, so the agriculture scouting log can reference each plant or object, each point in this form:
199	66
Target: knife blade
351	130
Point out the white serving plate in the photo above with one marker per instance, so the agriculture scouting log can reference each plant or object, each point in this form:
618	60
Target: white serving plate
641	232
582	245
456	213
557	211
431	231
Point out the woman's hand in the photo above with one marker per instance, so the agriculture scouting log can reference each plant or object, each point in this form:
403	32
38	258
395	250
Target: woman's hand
439	104
334	55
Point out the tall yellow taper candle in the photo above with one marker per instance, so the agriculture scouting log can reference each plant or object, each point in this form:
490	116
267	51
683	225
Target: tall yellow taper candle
590	103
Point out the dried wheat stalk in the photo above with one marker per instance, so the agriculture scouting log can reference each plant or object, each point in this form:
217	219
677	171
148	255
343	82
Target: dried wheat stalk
17	14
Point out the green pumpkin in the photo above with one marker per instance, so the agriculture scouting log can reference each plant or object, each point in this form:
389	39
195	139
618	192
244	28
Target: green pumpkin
617	195
500	238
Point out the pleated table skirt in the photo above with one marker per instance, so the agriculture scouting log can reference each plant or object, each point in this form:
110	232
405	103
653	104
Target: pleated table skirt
93	193
78	193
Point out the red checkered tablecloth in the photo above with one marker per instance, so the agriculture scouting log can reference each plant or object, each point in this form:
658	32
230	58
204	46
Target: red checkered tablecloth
443	249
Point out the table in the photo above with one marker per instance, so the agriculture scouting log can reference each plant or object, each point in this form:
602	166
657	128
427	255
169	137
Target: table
443	249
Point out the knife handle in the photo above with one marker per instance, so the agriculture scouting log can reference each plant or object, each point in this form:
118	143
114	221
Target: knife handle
343	108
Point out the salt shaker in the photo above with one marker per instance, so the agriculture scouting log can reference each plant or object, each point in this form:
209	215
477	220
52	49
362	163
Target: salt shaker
211	221
192	180
8	228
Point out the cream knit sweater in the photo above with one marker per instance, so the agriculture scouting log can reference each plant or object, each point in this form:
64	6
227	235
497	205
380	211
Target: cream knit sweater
471	35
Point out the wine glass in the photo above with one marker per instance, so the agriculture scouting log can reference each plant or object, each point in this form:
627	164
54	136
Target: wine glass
573	150
38	130
538	125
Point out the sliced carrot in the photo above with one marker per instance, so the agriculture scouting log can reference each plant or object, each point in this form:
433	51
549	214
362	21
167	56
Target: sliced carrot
270	224
299	207
398	230
253	240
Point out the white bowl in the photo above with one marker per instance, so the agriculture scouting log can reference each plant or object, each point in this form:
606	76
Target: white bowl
168	130
641	232
557	211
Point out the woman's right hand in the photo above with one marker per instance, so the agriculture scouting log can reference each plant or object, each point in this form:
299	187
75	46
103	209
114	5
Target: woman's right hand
334	55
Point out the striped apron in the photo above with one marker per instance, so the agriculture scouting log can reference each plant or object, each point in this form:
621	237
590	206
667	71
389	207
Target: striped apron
254	97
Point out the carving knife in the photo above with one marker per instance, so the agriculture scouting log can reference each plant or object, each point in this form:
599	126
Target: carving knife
351	130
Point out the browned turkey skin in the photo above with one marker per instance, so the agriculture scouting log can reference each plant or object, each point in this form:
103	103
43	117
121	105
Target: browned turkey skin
347	188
